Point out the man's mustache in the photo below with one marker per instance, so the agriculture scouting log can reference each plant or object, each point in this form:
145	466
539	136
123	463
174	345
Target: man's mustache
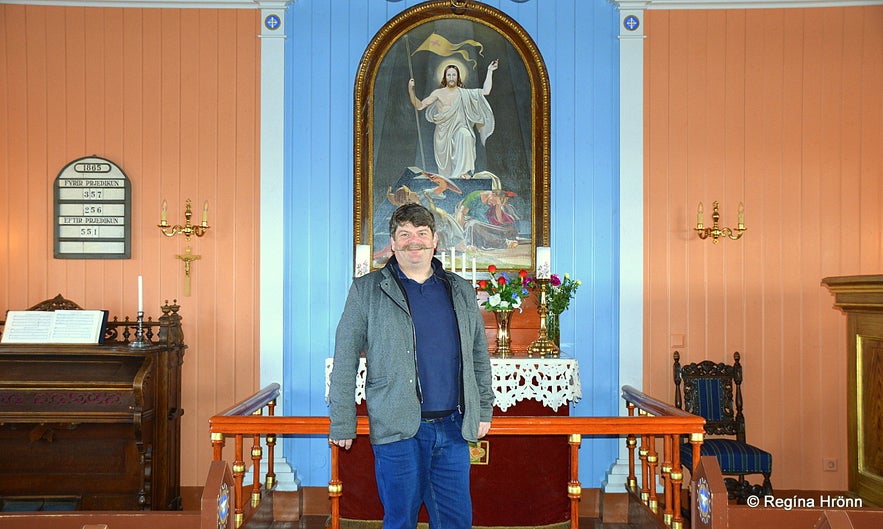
417	247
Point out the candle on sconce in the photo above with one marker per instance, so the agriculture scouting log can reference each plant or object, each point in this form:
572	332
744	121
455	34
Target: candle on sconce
741	217
164	213
544	262
363	260
474	282
443	259
205	213
464	265
140	294
699	211
453	260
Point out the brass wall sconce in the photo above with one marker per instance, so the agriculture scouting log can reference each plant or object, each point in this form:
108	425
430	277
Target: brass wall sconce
715	231
187	230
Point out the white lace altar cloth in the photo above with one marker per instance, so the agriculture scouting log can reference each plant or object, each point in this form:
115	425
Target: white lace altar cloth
552	381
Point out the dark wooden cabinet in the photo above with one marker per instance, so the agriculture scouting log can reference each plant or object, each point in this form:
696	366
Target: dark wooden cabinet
97	426
861	298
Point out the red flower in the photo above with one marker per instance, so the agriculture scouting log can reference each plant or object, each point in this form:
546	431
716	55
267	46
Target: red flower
482	284
501	280
523	273
492	268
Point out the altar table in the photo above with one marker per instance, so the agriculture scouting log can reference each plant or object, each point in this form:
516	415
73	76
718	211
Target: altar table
520	480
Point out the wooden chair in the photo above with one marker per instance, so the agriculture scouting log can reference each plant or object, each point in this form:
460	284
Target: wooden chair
708	392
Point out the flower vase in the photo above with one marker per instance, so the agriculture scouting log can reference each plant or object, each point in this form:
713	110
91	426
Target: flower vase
553	329
503	318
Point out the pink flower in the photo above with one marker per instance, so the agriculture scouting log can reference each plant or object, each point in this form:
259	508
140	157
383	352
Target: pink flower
555	280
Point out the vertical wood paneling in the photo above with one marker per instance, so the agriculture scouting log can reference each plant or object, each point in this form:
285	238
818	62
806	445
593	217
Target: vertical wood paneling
779	109
172	97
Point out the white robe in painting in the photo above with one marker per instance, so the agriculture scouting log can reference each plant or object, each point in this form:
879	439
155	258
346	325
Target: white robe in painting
454	139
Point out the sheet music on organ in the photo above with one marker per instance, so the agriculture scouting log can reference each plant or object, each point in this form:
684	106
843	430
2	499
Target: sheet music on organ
58	327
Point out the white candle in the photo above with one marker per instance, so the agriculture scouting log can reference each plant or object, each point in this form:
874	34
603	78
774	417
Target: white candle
474	283
363	260
444	256
544	262
464	265
140	294
453	260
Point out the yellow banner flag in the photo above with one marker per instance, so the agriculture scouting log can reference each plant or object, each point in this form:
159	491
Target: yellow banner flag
442	46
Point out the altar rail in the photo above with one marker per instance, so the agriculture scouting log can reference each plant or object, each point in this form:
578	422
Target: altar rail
649	419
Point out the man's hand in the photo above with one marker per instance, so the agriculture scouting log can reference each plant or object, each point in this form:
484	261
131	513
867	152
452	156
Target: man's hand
483	429
343	443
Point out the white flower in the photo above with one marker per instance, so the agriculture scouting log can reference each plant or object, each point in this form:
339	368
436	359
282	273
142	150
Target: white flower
494	300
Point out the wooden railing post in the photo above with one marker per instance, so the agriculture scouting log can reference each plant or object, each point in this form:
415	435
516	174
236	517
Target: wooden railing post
631	443
335	487
652	458
238	475
643	453
677	478
271	449
574	488
667	443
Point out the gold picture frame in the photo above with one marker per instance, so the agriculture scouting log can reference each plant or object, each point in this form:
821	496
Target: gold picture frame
490	194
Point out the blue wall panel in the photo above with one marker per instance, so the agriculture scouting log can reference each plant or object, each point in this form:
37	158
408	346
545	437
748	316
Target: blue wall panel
325	42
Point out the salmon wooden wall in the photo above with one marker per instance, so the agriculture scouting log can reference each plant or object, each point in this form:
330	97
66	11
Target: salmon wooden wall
172	97
780	109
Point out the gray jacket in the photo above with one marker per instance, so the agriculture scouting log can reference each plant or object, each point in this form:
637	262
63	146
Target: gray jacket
376	320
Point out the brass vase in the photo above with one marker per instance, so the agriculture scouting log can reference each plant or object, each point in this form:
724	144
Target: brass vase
503	318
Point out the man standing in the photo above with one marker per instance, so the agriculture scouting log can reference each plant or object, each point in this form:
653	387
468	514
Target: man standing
428	383
455	111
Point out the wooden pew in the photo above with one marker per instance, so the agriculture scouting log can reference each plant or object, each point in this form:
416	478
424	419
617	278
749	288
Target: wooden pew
215	512
710	509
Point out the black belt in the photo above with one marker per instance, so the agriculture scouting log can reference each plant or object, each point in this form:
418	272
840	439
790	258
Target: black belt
433	417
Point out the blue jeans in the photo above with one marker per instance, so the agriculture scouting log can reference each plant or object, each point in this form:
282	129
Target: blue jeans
432	468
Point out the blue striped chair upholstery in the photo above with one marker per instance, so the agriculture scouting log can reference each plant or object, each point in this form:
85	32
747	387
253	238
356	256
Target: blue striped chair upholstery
714	392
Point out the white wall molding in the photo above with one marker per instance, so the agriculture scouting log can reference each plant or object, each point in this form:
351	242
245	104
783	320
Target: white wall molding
736	4
621	4
169	4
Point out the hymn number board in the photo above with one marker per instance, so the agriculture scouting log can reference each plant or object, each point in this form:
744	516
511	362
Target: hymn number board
92	211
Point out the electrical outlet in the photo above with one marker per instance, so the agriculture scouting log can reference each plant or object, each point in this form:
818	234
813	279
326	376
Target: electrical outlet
829	464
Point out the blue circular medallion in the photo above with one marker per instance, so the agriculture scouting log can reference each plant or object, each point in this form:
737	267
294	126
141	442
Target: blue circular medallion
631	22
272	22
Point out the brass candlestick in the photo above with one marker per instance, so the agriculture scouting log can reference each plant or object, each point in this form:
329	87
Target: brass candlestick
542	345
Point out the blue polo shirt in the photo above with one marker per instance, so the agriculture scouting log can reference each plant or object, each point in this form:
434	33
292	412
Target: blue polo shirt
438	344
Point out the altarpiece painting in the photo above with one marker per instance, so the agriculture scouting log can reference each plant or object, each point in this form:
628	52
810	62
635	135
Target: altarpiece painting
452	111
